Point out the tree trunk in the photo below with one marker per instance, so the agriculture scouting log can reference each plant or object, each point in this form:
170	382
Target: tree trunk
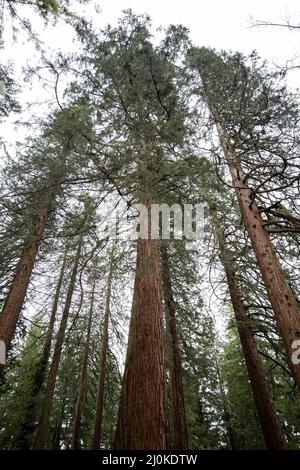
271	428
141	421
15	298
178	408
284	304
96	437
58	426
226	410
82	383
42	429
28	427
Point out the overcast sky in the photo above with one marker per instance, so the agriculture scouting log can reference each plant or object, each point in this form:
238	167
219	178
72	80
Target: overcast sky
218	23
223	24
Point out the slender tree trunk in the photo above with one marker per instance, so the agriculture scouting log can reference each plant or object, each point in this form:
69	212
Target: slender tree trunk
57	432
96	437
15	298
28	427
178	406
227	414
168	396
42	429
284	304
82	383
141	421
271	428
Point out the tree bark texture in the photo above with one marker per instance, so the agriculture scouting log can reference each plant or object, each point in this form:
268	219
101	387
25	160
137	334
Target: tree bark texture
141	421
284	303
270	425
16	296
178	406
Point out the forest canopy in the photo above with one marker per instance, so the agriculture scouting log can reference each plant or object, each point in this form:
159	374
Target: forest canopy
149	232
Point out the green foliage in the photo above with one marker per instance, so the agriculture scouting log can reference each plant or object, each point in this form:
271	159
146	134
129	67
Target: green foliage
241	408
8	91
133	124
16	390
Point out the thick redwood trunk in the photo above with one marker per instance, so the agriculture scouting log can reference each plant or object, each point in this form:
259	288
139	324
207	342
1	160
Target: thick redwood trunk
271	428
42	429
180	440
141	421
82	382
284	304
15	299
28	426
96	437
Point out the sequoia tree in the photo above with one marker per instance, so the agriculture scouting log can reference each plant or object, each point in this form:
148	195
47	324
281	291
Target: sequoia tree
273	434
235	114
42	429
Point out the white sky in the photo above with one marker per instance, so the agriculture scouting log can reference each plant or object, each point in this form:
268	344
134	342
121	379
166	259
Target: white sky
220	23
217	23
223	24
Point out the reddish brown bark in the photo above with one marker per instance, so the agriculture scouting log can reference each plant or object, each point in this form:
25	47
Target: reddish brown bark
271	428
42	429
180	440
284	304
15	299
141	421
82	381
28	427
96	437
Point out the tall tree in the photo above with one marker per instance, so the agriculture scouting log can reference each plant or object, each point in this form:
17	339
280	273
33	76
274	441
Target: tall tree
15	299
41	433
97	430
178	406
83	377
141	422
51	168
140	86
282	298
273	435
28	426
